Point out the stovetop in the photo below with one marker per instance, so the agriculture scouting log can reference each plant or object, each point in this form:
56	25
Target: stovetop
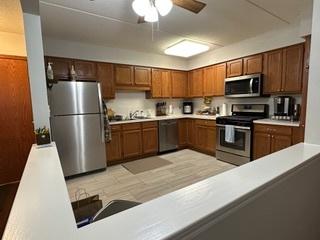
238	120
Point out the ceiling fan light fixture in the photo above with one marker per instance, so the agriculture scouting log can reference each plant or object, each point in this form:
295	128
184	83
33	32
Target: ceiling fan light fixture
186	48
163	6
141	7
152	15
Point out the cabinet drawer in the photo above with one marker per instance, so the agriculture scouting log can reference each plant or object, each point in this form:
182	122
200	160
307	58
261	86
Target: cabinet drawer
153	124
131	126
209	123
273	129
115	128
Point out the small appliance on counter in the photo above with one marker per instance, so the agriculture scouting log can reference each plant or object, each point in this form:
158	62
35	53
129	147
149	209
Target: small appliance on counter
296	112
187	107
283	108
161	109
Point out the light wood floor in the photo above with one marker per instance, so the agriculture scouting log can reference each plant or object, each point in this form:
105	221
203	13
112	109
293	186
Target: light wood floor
118	183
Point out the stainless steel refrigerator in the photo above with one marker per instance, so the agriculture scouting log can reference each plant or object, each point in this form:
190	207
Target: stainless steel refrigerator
77	126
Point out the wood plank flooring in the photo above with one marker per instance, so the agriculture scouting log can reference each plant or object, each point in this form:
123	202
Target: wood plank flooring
118	183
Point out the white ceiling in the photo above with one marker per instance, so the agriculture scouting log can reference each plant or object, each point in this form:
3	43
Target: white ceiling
11	16
113	22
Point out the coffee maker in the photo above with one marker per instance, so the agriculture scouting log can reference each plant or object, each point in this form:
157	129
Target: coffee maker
283	108
187	107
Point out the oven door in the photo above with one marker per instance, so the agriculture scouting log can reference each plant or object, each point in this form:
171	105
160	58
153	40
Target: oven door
242	141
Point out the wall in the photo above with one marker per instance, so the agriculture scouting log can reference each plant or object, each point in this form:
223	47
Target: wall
12	44
312	133
62	48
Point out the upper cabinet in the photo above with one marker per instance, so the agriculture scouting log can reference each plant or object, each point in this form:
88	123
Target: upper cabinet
85	70
124	75
209	74
142	76
234	68
132	77
105	76
220	75
166	84
60	66
195	80
252	64
283	70
161	84
179	84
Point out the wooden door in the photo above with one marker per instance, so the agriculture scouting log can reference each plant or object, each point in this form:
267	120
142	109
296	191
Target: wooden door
292	69
114	148
196	83
261	144
106	78
220	76
132	143
16	126
142	76
208	81
166	84
297	135
272	69
179	84
252	65
279	142
156	83
211	139
234	68
124	75
60	66
183	132
201	136
150	140
86	70
191	135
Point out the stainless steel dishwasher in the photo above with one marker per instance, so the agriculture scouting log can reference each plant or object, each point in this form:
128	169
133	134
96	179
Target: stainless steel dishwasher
168	135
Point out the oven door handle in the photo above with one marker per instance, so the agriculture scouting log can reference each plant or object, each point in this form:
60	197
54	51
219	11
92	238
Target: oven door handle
236	127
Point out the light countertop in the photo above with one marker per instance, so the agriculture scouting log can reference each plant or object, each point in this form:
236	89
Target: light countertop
277	122
42	209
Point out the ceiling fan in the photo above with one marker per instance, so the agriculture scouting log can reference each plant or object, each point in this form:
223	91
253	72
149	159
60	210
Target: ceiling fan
149	10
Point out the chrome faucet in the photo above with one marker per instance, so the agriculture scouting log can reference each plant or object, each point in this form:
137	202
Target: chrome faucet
132	115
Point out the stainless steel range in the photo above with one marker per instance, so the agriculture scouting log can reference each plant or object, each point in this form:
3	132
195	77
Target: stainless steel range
234	133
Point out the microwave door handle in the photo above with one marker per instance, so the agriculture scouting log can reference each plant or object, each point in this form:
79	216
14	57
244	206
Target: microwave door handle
251	84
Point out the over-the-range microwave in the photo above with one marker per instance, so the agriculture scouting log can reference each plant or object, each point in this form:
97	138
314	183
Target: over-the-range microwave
244	86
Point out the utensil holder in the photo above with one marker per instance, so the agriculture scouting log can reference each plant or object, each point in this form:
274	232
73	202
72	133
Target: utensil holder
43	139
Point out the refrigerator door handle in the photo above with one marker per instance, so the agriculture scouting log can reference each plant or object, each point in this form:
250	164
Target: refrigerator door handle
101	114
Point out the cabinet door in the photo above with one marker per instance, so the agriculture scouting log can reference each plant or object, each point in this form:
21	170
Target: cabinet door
179	84
261	144
114	147
124	75
196	83
191	136
292	69
211	139
234	68
183	132
220	76
131	143
252	65
156	83
150	140
85	70
279	142
142	76
60	66
272	69
201	137
208	81
297	135
166	84
105	76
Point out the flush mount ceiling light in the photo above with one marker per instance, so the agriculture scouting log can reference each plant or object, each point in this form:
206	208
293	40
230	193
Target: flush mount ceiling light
149	9
186	48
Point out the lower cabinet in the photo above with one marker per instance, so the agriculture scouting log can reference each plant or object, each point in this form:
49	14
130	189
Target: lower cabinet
114	147
132	143
150	137
183	133
268	139
205	136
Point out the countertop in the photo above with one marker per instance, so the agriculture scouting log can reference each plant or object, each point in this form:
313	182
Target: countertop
176	116
277	122
42	209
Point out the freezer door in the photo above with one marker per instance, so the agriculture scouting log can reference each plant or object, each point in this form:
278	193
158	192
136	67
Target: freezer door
67	98
80	143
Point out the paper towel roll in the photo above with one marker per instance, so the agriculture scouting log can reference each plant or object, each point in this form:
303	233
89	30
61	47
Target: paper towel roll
224	110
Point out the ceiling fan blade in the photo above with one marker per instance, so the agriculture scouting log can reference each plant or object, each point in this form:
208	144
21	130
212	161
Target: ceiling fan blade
141	20
191	5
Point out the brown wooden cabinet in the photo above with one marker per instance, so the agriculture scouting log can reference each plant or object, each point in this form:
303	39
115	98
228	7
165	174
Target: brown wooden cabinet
124	75
16	123
85	70
114	147
142	76
106	78
156	83
272	69
191	132
252	64
195	83
234	68
270	138
220	75
209	78
131	140
161	84
183	132
179	84
205	136
150	137
60	66
166	84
